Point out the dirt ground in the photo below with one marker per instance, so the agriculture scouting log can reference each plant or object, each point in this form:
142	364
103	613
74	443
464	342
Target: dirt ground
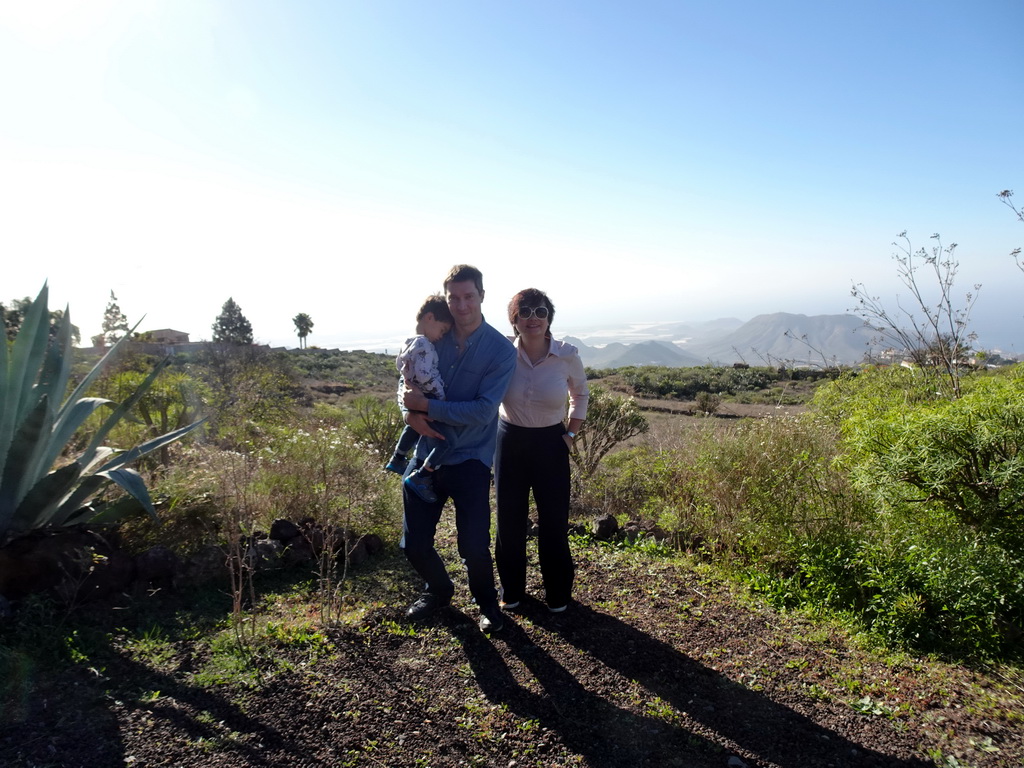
657	664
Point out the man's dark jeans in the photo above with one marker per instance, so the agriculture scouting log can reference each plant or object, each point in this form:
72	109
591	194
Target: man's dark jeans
468	485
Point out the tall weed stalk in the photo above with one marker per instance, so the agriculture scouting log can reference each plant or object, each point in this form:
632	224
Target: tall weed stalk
240	515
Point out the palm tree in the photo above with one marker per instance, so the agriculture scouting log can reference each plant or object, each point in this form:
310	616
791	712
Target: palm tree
303	325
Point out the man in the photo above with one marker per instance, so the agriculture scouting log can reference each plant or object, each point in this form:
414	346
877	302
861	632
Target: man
476	363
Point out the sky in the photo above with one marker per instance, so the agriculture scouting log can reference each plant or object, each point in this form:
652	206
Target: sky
641	162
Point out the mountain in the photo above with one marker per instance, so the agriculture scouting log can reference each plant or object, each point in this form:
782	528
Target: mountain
780	338
792	339
619	355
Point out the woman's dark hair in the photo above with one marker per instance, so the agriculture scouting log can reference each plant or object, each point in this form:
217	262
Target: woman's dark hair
438	306
530	297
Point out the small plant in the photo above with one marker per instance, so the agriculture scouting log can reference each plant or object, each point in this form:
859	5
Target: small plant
400	630
868	706
318	472
229	663
708	402
1005	196
946	761
290	633
611	419
984	745
152	646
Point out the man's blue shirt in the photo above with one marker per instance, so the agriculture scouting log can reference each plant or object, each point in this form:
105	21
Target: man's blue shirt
474	384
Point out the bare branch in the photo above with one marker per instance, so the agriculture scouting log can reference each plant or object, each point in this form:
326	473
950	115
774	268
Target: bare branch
932	329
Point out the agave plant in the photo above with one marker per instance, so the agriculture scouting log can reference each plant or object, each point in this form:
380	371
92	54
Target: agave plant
41	487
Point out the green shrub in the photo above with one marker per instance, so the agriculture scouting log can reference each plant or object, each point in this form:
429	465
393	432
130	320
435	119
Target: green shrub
944	590
938	565
755	488
731	381
685	383
249	388
174	400
355	369
774	500
708	403
311	469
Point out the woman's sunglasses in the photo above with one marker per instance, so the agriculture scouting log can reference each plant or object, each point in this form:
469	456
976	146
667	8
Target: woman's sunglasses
528	312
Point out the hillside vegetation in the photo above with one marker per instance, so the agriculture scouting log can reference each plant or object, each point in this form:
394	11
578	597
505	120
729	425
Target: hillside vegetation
863	510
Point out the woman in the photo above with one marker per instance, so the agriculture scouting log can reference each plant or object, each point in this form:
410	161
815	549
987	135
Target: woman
533	452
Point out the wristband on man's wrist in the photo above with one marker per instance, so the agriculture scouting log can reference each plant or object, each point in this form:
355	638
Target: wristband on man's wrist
572	435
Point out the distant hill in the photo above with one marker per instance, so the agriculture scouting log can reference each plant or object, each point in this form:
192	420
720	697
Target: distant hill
765	340
618	355
792	339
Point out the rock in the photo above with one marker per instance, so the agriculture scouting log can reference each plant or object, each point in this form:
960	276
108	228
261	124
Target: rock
264	554
205	565
374	543
156	567
317	539
104	574
604	527
80	564
632	531
284	531
355	552
298	551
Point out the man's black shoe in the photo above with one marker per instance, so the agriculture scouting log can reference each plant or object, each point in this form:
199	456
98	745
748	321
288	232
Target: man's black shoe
491	621
426	606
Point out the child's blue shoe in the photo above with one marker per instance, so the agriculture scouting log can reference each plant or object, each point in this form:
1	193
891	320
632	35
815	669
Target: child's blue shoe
422	484
398	464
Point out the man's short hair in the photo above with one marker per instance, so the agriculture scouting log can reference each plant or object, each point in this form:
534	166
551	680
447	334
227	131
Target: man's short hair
462	272
437	305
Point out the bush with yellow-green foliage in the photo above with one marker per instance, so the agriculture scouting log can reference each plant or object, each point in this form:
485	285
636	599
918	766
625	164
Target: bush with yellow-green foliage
919	453
941	565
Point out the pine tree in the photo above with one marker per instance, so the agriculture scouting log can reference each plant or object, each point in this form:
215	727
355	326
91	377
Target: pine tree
231	327
303	325
115	324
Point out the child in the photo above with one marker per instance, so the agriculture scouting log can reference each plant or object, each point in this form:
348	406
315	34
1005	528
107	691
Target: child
417	362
